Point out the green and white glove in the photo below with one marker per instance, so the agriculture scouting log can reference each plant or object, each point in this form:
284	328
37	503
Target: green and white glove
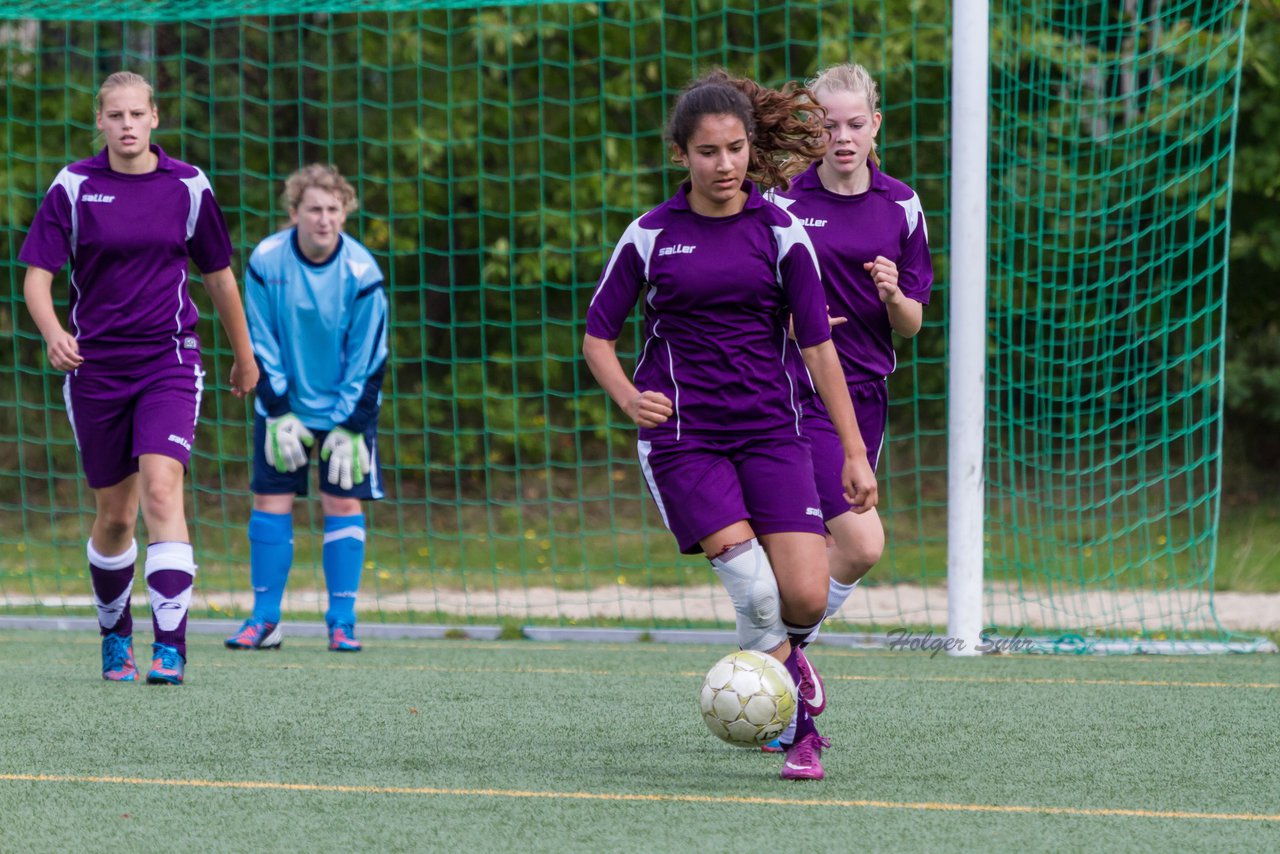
285	437
348	457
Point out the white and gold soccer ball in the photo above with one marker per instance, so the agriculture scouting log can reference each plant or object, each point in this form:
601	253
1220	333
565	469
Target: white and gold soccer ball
747	699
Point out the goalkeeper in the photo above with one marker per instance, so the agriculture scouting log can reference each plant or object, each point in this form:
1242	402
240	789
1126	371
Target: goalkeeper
318	319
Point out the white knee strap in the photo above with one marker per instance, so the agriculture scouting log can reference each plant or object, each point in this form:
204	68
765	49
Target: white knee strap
747	575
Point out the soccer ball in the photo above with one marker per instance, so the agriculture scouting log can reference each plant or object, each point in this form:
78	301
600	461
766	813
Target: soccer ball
747	699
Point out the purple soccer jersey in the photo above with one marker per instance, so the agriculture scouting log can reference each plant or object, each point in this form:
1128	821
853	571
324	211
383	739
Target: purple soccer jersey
717	292
846	232
129	239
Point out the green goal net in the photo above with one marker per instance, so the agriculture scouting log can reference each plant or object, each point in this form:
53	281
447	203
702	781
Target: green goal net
499	151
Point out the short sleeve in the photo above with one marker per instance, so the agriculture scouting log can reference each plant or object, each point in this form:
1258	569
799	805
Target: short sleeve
48	244
209	243
620	285
915	264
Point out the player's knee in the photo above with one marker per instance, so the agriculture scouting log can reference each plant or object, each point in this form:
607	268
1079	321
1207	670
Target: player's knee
764	606
855	554
114	526
850	564
807	607
161	497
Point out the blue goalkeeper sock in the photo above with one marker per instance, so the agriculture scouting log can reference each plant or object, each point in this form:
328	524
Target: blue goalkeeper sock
343	560
270	559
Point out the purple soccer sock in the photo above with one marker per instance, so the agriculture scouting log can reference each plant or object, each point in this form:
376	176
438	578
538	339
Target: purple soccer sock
112	580
171	572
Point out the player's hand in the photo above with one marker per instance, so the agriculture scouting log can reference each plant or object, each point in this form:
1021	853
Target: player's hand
884	273
832	321
348	457
64	351
648	408
285	437
859	480
244	377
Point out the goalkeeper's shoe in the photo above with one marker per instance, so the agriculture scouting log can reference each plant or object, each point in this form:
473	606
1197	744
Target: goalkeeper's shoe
256	634
342	638
167	665
804	759
117	658
809	688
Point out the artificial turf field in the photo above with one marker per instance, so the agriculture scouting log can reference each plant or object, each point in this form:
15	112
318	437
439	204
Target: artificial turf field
526	746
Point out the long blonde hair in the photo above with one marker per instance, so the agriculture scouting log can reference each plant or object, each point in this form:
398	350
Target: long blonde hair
849	77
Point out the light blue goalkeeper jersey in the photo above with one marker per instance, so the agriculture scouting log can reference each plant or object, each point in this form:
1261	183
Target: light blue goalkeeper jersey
319	332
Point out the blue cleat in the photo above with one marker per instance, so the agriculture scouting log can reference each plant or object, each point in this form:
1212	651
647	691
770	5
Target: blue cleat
117	658
255	634
342	638
167	665
774	746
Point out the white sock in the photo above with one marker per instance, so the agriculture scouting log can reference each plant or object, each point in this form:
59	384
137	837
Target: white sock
169	611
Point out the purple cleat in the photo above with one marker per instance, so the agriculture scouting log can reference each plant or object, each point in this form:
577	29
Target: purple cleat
804	759
809	686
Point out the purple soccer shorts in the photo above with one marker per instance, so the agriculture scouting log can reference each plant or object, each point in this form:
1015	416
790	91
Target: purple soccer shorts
704	485
117	418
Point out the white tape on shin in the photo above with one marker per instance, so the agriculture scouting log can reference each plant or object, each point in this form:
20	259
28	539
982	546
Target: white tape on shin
747	575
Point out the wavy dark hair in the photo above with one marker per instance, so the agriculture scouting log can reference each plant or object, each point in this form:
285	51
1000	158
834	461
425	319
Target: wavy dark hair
784	125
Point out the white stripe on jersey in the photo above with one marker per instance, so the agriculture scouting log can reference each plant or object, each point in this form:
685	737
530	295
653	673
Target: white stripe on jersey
643	238
788	237
671	369
70	183
915	215
791	397
195	190
781	201
75	312
177	319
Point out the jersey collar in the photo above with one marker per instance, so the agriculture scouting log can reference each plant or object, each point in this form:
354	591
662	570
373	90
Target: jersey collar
810	178
315	265
680	201
164	163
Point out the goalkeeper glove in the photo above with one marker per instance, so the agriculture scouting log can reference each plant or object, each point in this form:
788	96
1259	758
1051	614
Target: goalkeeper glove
348	457
285	437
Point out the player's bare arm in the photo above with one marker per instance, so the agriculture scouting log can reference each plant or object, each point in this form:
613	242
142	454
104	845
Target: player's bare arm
221	285
905	314
61	345
645	408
